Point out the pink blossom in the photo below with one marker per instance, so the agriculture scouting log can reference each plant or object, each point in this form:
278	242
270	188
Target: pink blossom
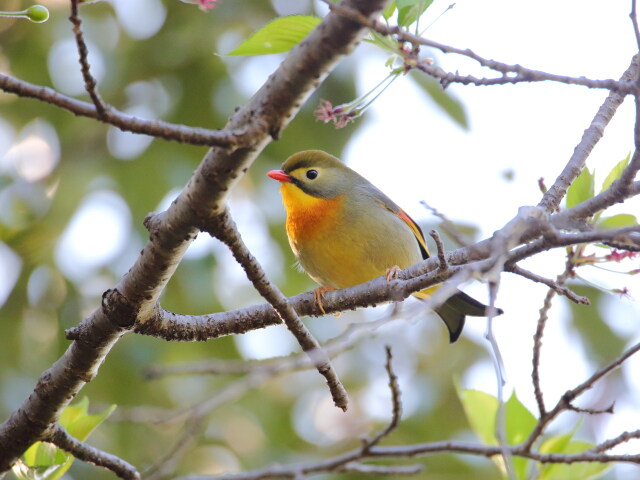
326	113
207	4
623	292
617	255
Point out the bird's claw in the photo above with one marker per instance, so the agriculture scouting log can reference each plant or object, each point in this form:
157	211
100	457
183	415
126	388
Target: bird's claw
318	296
392	273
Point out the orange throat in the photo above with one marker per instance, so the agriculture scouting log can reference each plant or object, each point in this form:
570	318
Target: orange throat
308	217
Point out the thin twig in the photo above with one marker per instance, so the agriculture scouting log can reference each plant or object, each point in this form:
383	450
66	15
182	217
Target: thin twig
447	226
396	404
348	462
537	348
508	71
224	228
592	411
537	337
498	363
514	74
554	285
551	199
333	347
414	451
380	469
634	21
195	424
90	83
442	258
127	123
80	450
613	442
566	400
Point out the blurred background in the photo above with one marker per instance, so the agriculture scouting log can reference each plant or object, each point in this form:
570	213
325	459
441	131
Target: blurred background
74	192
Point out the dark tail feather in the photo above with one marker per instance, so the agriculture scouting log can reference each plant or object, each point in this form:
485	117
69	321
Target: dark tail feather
454	310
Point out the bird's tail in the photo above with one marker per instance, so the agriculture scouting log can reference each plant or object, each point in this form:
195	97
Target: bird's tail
455	309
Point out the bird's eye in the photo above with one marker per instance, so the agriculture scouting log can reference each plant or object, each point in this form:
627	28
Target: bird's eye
312	174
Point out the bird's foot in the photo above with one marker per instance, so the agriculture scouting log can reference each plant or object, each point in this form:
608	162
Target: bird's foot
392	273
318	296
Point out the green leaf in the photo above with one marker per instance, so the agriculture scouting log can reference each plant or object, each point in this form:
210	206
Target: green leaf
574	471
24	472
44	460
617	221
78	422
449	104
591	326
278	36
385	43
556	444
410	10
480	409
581	189
520	421
615	172
387	12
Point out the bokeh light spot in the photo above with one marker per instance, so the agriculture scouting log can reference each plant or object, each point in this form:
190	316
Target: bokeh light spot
95	236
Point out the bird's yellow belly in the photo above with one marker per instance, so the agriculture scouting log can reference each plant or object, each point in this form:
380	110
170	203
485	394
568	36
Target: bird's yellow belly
339	265
338	249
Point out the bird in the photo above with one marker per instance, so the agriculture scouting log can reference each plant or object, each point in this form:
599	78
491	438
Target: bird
345	231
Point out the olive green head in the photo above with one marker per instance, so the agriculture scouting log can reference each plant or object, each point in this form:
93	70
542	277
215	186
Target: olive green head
319	174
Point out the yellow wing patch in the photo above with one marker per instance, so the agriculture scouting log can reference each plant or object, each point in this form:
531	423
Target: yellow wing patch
416	231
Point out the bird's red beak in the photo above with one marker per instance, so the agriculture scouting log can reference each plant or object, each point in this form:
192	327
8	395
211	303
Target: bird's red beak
279	175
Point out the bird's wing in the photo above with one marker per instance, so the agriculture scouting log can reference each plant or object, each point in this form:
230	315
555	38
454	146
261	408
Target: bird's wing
389	205
417	232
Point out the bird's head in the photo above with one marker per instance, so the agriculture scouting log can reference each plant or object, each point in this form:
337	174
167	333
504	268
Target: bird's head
316	173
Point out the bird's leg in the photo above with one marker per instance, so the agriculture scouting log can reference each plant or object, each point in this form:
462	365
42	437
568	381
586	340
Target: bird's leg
318	296
392	273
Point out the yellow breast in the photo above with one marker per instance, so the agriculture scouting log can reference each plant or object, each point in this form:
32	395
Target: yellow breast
337	249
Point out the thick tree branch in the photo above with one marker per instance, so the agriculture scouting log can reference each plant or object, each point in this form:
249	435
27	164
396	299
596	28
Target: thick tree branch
341	343
133	300
171	326
578	214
